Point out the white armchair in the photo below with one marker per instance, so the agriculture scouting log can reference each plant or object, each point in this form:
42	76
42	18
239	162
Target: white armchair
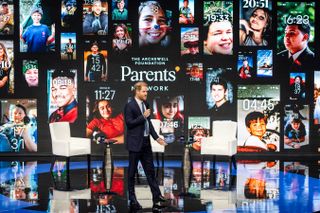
65	145
222	201
84	194
63	201
223	140
155	146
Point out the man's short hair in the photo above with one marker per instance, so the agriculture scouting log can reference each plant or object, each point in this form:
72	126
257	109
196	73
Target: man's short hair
304	28
4	3
137	86
296	120
219	81
96	1
63	73
95	43
253	116
197	128
37	10
71	3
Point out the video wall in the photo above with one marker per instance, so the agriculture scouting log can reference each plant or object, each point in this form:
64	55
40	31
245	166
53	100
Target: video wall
249	61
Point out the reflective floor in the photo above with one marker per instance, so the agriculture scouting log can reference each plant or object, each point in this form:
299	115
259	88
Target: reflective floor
253	186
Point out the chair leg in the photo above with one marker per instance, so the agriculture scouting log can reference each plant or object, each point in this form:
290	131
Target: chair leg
234	162
53	160
137	177
214	159
162	159
157	159
230	165
202	171
68	173
89	169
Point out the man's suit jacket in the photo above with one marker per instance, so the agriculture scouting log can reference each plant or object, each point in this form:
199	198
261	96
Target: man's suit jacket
135	126
305	60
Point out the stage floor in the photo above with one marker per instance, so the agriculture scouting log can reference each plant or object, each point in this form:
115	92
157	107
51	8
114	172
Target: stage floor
207	186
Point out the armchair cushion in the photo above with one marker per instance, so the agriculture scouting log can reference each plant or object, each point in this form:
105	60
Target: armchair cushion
223	140
156	147
75	194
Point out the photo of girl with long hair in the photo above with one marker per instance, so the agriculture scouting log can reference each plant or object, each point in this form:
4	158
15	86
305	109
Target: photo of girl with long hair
105	124
121	42
6	62
169	110
255	28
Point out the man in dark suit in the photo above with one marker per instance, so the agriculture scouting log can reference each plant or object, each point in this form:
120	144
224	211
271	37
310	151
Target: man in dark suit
297	54
139	127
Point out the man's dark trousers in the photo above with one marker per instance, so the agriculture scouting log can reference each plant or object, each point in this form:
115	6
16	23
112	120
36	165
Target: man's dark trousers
146	158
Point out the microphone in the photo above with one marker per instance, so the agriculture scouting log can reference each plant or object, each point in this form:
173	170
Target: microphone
147	108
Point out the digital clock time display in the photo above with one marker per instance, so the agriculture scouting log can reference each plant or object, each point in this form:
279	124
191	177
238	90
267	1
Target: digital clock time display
255	3
296	19
218	17
106	94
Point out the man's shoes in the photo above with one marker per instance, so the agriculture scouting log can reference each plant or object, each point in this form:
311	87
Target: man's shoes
160	199
135	205
157	207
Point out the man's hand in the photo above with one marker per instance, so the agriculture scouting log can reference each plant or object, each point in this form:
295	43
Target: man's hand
161	142
147	113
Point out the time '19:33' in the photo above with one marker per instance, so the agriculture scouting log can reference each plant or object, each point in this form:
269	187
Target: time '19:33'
217	17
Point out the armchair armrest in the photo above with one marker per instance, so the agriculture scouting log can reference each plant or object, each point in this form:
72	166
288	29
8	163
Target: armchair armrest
79	140
60	147
217	146
58	141
233	143
79	146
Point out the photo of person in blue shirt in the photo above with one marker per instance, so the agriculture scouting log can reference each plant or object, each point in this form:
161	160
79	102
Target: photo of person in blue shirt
37	36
